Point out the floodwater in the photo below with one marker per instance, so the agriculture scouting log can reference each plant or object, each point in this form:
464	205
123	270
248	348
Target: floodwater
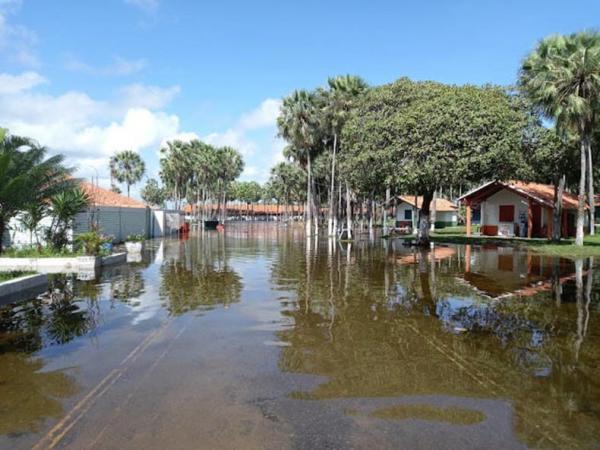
258	338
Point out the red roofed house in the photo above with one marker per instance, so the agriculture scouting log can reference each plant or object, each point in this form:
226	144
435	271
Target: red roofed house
517	208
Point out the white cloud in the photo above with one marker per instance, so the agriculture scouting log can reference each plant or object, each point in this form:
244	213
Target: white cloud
145	5
16	42
85	129
233	138
118	67
152	97
250	172
13	84
262	117
183	137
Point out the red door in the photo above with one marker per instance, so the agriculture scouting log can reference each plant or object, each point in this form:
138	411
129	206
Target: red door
536	213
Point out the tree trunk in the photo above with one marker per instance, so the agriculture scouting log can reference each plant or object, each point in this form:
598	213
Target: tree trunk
348	213
128	186
308	197
433	211
424	212
385	210
559	187
2	230
330	230
581	202
590	174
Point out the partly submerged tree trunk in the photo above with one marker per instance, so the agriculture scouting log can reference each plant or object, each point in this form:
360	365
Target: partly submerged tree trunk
433	211
330	229
581	202
590	181
559	188
424	216
348	213
308	197
385	210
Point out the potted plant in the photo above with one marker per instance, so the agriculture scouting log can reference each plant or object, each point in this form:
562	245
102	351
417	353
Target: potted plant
135	243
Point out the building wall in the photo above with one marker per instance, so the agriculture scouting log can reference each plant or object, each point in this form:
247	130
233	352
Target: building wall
115	221
165	222
490	210
442	218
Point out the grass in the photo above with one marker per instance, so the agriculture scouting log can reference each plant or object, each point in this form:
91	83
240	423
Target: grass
565	248
41	252
6	276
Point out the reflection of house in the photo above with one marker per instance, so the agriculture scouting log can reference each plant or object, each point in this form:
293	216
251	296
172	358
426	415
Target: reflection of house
407	208
496	271
436	254
517	208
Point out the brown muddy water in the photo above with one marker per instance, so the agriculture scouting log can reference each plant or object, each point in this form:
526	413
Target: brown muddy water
259	338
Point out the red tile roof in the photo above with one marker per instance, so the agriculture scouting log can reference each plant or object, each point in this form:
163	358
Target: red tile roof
103	197
441	204
540	193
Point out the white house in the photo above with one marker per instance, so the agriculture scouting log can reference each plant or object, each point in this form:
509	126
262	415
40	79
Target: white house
113	214
407	209
517	208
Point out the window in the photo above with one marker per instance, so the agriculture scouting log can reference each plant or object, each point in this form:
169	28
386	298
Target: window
408	214
507	213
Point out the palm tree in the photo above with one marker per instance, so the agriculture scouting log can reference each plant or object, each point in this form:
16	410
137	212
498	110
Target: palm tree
27	177
297	123
127	167
344	90
562	77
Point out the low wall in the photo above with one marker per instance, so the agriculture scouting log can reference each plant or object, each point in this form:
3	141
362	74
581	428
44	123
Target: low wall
25	286
61	265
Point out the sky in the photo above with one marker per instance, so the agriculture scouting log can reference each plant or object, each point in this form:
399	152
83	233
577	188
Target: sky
91	78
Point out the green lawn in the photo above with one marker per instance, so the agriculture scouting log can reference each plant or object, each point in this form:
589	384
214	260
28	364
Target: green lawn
5	276
565	248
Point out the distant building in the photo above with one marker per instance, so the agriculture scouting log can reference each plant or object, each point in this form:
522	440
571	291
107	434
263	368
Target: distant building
517	208
408	207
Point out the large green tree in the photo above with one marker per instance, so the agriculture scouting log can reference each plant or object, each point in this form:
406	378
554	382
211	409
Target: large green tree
127	167
421	136
562	77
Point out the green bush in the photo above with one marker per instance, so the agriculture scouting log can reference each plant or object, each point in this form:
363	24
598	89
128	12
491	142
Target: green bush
135	238
91	242
38	251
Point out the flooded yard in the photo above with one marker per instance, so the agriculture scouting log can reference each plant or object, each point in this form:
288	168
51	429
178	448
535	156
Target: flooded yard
260	338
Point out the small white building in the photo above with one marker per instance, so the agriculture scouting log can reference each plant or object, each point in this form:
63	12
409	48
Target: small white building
517	208
407	212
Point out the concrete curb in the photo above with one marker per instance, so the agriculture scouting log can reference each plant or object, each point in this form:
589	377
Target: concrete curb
61	265
27	283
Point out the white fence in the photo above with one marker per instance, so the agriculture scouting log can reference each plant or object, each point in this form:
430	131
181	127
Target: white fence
112	221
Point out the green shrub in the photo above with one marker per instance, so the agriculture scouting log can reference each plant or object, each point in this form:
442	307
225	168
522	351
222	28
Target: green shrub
135	238
91	242
38	251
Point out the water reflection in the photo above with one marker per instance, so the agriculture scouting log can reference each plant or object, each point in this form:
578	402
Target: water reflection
197	274
472	338
420	323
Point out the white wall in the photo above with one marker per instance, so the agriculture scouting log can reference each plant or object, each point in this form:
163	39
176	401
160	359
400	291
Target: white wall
400	211
165	222
490	210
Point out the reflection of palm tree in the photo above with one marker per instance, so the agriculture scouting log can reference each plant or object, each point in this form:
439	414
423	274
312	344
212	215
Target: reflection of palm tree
128	286
200	276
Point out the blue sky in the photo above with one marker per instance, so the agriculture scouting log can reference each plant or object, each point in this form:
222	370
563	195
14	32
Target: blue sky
89	78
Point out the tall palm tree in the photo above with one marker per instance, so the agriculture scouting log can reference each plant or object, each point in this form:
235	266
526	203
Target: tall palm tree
27	177
562	77
344	90
127	167
297	123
